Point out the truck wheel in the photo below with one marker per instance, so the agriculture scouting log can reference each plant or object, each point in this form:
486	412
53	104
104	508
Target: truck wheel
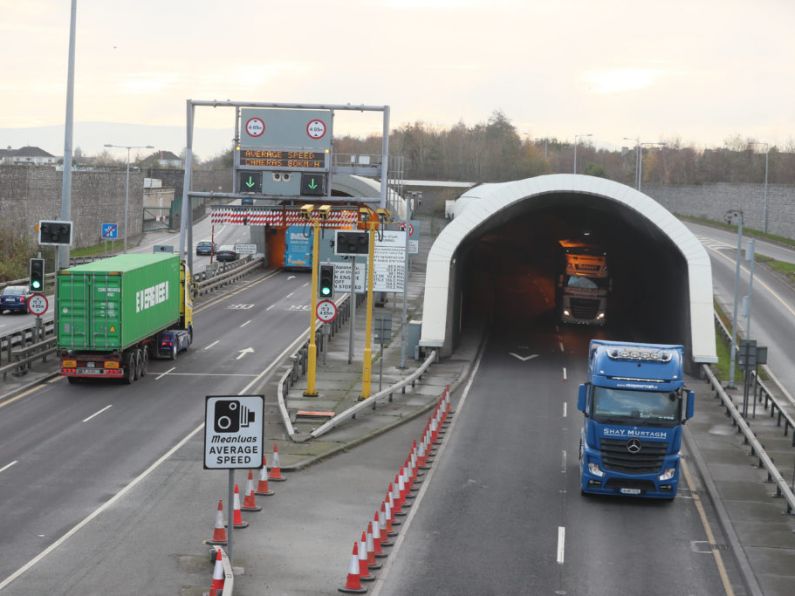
129	368
139	363
173	352
144	361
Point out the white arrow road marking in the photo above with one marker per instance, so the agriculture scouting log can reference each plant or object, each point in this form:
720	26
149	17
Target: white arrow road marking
523	358
244	352
289	277
108	407
208	346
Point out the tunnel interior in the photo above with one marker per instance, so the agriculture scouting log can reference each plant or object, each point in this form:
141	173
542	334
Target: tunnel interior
508	269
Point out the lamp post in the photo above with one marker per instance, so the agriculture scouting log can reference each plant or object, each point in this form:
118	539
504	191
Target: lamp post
764	204
127	182
735	216
575	148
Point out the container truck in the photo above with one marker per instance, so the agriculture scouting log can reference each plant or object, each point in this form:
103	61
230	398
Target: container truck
584	284
634	403
113	315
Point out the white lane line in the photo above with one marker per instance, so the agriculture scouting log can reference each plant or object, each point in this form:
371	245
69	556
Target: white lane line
108	407
565	409
289	295
208	346
563	462
561	544
379	582
194	374
270	307
307	283
109	503
564	374
246	323
165	373
5	467
560	343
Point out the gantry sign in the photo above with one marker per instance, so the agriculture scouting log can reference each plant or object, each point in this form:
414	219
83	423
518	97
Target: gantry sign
282	152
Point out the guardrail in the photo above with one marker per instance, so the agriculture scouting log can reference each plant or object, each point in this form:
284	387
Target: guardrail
763	394
757	450
375	398
22	358
227	275
22	337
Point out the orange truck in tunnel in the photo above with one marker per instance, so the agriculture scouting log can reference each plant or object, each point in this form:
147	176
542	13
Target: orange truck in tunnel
584	283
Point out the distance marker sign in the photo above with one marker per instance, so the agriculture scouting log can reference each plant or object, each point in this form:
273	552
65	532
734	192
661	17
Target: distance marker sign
234	432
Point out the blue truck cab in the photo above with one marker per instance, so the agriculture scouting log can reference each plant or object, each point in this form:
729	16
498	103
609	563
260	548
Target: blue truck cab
634	404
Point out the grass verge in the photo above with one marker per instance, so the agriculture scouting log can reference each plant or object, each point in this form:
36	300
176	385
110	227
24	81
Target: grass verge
101	249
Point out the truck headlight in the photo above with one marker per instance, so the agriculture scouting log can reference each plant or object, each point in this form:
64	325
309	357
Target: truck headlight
668	474
566	313
595	470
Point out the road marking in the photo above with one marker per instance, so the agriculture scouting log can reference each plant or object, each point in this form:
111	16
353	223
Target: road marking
108	407
196	374
564	374
759	282
724	576
560	343
304	285
245	287
246	323
243	352
270	307
289	277
565	409
5	467
563	462
561	544
379	583
208	346
523	358
165	373
289	295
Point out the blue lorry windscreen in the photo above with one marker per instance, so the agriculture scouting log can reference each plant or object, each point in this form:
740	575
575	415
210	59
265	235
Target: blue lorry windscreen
646	408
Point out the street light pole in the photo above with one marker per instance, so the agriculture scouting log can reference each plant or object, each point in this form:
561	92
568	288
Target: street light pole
62	255
575	148
127	182
731	216
764	203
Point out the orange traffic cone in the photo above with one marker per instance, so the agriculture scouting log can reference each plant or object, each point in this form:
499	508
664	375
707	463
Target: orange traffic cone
390	500
276	468
262	485
353	584
237	518
385	527
371	562
219	531
364	572
249	500
377	542
218	573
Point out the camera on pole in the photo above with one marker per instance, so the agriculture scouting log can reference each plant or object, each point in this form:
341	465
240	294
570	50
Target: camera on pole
36	282
326	285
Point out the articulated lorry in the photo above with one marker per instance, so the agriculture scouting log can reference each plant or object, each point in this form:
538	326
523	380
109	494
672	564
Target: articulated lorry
635	404
113	315
584	283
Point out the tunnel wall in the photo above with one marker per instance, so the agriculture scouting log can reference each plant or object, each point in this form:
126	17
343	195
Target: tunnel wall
494	201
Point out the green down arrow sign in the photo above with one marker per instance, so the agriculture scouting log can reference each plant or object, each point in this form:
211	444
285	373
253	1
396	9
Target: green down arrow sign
250	182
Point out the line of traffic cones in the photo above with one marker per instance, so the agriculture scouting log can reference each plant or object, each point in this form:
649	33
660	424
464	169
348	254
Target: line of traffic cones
400	494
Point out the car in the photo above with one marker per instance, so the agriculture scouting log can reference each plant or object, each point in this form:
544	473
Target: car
14	299
206	248
226	253
171	342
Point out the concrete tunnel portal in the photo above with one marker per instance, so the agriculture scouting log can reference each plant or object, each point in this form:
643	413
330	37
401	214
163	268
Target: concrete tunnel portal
499	260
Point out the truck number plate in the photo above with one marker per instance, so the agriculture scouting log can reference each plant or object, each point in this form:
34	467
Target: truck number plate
89	371
630	491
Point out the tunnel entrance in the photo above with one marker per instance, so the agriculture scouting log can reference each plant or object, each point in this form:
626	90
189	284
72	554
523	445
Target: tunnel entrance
506	267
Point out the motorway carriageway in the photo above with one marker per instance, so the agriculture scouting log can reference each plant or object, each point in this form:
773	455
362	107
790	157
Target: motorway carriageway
66	449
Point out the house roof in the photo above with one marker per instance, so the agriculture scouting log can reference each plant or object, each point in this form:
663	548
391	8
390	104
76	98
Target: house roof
28	151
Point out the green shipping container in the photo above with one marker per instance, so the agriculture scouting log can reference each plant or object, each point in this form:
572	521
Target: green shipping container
114	303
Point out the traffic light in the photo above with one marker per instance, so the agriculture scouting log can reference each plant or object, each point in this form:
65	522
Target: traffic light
55	232
36	283
326	287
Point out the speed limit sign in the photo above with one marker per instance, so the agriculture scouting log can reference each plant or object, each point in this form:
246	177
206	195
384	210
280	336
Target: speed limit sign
326	311
38	304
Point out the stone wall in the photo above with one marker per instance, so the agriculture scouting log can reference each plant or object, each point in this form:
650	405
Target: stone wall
32	193
713	200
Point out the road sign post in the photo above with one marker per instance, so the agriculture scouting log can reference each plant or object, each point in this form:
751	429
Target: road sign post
234	438
311	371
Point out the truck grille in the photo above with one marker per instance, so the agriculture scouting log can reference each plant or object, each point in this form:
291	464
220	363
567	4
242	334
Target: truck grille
582	308
616	456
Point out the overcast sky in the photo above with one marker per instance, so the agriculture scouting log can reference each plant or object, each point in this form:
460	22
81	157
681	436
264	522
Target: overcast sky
700	70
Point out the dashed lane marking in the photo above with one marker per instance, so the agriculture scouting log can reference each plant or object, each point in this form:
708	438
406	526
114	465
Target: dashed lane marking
5	467
246	323
165	373
95	414
208	346
561	545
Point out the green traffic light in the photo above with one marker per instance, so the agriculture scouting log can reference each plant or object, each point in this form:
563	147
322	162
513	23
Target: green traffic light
326	291
36	285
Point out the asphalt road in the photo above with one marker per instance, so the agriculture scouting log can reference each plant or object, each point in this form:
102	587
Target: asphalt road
503	513
66	449
772	304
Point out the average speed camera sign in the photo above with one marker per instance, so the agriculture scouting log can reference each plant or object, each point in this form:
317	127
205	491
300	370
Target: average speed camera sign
326	311
38	304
